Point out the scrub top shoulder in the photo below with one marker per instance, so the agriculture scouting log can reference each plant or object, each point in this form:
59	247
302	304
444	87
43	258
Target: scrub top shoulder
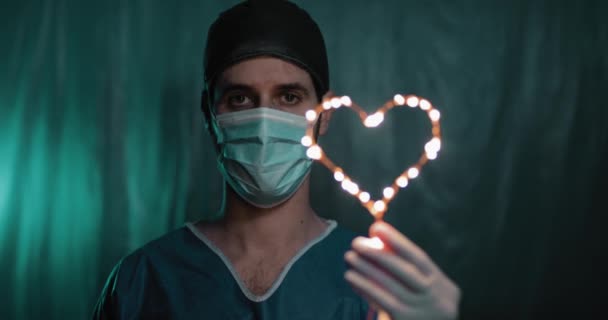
183	276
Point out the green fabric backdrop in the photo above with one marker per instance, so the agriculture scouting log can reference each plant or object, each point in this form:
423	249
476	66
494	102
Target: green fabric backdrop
102	146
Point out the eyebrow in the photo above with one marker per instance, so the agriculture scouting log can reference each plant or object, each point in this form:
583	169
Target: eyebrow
233	87
228	87
294	86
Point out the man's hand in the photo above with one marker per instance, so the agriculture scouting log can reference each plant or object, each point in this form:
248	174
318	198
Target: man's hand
400	278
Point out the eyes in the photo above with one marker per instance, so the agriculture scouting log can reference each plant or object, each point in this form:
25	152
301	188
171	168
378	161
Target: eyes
239	100
290	98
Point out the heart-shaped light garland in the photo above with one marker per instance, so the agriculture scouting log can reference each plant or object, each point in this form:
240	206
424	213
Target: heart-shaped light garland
377	208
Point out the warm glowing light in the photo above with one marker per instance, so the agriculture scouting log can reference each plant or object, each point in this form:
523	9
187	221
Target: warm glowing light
350	186
345	100
354	189
306	141
399	99
434	115
412	101
364	197
374	120
311	115
425	104
339	176
402	182
379	206
374	243
388	192
431	149
412	172
437	141
335	102
344	184
314	152
433	146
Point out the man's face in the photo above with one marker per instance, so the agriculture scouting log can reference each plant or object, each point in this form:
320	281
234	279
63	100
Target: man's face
264	82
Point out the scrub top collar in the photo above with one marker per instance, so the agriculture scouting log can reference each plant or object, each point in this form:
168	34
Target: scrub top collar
250	295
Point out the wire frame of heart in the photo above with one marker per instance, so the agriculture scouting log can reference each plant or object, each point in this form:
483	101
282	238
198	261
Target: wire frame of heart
377	208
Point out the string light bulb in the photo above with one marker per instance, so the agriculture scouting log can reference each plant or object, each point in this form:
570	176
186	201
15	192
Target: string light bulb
345	100
314	152
434	145
402	182
399	99
354	189
345	183
350	186
364	197
412	101
311	115
424	104
412	172
306	141
339	176
379	206
388	192
374	120
434	115
335	103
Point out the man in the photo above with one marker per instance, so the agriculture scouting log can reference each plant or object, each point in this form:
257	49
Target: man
270	256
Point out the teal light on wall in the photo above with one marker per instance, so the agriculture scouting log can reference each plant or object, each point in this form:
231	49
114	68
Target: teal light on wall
102	145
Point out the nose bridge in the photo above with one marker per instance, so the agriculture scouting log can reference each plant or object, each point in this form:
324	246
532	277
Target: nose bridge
266	99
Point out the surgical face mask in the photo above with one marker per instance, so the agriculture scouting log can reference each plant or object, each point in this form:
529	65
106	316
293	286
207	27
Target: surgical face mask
260	154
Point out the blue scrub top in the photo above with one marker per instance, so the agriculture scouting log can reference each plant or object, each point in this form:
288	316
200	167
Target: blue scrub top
183	276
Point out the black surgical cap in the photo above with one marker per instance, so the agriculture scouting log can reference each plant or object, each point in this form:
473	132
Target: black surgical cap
276	28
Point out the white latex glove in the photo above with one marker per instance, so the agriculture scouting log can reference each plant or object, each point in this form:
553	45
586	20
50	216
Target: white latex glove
400	278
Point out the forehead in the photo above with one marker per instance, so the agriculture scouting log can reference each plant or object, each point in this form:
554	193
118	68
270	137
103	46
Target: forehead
262	72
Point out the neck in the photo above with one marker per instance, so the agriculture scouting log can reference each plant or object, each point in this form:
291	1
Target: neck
252	228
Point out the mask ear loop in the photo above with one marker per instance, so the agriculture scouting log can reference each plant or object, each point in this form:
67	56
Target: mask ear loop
211	126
